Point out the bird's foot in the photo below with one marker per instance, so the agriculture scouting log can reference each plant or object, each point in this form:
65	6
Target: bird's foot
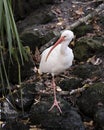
56	103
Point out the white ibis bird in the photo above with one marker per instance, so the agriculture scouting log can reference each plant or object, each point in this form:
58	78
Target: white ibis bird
57	59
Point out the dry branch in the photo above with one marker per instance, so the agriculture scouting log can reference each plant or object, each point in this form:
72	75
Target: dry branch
76	24
86	18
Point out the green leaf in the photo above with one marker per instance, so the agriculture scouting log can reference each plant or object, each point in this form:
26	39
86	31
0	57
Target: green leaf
1	12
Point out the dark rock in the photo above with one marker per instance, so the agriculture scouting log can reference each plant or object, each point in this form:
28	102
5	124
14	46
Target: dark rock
69	84
99	119
99	44
96	4
87	71
82	51
25	7
83	29
101	21
15	125
19	103
87	47
40	86
36	38
91	98
24	98
69	119
8	111
42	15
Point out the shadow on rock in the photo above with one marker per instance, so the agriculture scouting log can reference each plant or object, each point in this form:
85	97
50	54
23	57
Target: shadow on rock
69	119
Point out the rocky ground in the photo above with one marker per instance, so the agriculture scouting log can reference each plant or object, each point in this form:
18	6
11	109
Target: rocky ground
80	89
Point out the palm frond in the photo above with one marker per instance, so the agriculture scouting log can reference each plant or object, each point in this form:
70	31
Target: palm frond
9	38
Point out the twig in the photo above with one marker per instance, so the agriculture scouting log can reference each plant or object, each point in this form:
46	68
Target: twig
86	18
62	93
48	44
10	103
87	2
79	90
64	76
75	24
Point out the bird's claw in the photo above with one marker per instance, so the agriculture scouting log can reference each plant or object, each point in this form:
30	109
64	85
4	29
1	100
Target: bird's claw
56	103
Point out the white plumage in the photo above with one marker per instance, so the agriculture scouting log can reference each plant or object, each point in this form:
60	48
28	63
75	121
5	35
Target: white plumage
57	59
60	58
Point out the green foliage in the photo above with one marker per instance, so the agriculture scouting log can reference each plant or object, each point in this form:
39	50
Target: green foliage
9	39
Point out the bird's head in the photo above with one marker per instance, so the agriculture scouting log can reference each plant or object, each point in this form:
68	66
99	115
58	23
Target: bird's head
67	36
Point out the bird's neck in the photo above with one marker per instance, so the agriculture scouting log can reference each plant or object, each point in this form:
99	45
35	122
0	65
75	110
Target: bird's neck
64	47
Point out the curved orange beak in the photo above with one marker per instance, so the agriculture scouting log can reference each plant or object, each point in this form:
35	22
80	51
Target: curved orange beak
57	43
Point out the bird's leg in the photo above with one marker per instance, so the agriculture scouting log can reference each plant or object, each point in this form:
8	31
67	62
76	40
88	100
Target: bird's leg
56	103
